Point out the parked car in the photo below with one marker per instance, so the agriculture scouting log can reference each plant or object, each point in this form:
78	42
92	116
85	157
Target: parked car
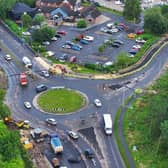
114	30
58	36
62	32
84	41
51	121
131	35
133	51
110	25
73	135
74	159
120	28
116	45
108	63
140	40
67	46
123	25
118	42
77	45
54	38
89	154
139	32
136	46
70	43
104	29
46	43
73	59
45	73
89	38
27	105
8	57
41	88
63	58
26	33
76	48
97	103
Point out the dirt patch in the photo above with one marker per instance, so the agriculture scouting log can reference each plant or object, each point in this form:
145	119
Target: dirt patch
3	80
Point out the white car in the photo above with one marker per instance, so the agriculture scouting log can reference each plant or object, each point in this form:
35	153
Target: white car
8	57
97	102
89	38
136	46
73	135
54	38
51	121
66	46
27	105
45	74
104	29
46	43
141	41
114	30
26	33
118	2
110	25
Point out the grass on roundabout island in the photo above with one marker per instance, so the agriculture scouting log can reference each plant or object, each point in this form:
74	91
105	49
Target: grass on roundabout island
61	101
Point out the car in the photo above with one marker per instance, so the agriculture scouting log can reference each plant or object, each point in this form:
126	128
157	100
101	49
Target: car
73	135
73	59
139	32
108	63
76	48
136	46
51	121
118	42
77	45
97	103
140	40
74	159
88	38
110	25
58	36
89	154
84	41
123	25
70	43
63	58
115	45
133	51
131	55
8	57
45	73
104	29
114	30
54	38
120	28
46	43
41	88
26	33
67	46
27	105
118	2
62	32
131	35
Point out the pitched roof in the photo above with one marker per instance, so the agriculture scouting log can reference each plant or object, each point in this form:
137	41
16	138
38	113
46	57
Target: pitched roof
95	13
47	9
21	8
52	1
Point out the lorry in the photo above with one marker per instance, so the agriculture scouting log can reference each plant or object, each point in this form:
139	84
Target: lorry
56	144
27	62
107	124
23	79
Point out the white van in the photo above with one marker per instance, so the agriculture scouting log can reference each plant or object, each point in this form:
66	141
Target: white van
27	62
108	125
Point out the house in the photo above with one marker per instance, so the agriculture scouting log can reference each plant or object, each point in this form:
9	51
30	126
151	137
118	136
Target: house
48	3
19	9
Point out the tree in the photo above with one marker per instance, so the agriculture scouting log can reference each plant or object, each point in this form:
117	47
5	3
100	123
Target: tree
81	23
164	134
164	9
28	2
132	9
6	6
38	19
26	20
154	22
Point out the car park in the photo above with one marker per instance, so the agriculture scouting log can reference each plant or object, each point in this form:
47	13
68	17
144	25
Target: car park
97	103
51	121
8	57
88	38
41	88
45	73
62	32
73	135
89	154
27	104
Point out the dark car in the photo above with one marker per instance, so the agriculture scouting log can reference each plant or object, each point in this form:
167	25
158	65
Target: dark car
118	42
58	36
63	58
41	88
89	154
116	45
74	159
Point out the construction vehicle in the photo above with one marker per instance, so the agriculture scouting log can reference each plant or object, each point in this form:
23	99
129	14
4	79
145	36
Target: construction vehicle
56	162
22	124
56	144
23	79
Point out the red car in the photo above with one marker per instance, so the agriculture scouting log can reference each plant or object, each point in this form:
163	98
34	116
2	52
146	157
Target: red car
62	32
139	32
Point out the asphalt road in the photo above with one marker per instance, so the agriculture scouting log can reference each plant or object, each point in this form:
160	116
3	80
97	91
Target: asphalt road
111	99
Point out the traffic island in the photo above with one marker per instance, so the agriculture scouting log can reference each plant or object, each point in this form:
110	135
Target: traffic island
60	101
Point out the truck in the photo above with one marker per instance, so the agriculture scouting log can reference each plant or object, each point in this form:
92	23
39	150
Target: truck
107	123
27	62
23	79
56	144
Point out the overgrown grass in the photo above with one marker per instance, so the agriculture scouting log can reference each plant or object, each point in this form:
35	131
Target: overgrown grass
61	101
142	126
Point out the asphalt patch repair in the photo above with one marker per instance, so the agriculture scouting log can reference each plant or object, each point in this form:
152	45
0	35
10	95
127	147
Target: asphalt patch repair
91	137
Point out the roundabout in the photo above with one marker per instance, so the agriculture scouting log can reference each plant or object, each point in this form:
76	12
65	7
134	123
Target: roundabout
60	101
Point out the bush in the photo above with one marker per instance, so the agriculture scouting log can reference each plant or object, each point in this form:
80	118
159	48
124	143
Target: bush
81	23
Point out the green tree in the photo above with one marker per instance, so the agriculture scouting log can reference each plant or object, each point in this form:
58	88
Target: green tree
154	22
164	135
26	20
5	7
164	9
38	19
132	9
101	48
28	2
81	23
